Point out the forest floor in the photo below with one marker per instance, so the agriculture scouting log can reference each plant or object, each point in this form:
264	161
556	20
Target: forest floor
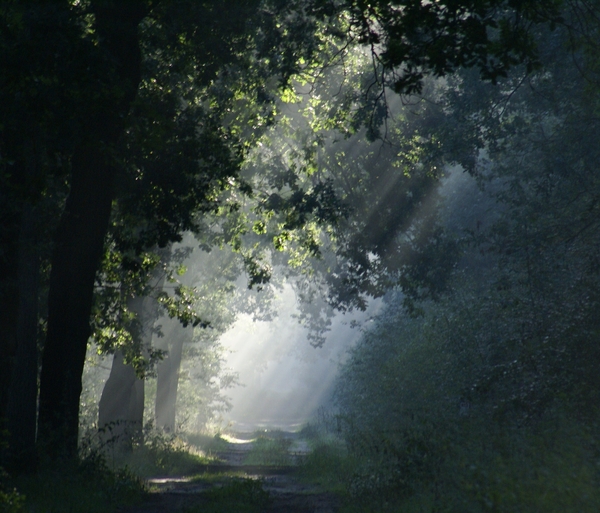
287	492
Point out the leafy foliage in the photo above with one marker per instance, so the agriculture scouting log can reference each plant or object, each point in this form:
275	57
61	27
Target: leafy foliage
487	400
412	38
11	501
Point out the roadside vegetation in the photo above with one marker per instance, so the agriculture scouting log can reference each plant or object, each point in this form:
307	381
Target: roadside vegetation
105	480
91	486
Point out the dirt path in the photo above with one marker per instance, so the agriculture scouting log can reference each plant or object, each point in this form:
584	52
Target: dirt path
287	493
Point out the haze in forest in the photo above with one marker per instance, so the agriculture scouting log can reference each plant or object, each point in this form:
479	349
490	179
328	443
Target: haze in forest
284	381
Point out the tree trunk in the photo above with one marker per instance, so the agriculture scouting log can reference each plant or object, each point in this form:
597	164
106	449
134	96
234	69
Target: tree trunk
168	374
20	311
22	402
80	236
121	408
78	247
9	291
120	418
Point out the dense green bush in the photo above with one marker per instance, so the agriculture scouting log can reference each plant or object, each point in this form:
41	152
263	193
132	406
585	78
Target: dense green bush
87	486
432	425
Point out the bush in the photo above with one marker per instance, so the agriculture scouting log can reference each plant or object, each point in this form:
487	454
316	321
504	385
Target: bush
159	453
328	464
87	486
11	501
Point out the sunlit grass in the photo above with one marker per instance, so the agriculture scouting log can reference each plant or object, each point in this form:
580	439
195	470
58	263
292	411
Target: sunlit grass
268	453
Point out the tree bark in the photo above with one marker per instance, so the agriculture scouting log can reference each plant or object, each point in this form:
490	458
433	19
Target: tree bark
20	309
168	375
121	408
22	401
78	247
9	291
80	236
120	418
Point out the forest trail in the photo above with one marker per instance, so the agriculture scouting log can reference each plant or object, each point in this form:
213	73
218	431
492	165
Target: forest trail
287	493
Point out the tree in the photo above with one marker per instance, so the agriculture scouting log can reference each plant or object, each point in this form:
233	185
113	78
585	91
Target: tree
412	39
121	406
33	138
80	238
451	408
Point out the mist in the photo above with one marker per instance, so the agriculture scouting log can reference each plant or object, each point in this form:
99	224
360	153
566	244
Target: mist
284	381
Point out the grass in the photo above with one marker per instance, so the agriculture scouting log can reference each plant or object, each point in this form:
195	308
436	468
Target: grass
238	495
150	460
103	480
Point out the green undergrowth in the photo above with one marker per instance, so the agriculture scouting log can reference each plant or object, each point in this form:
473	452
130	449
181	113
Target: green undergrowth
237	495
218	478
471	468
160	454
328	465
173	459
11	500
107	478
89	486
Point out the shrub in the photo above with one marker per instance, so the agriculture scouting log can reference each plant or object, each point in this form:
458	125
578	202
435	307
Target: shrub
86	486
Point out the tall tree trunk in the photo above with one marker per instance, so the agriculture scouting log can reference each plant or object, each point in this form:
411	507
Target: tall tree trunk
22	403
80	236
9	290
121	408
120	417
78	247
168	374
20	320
